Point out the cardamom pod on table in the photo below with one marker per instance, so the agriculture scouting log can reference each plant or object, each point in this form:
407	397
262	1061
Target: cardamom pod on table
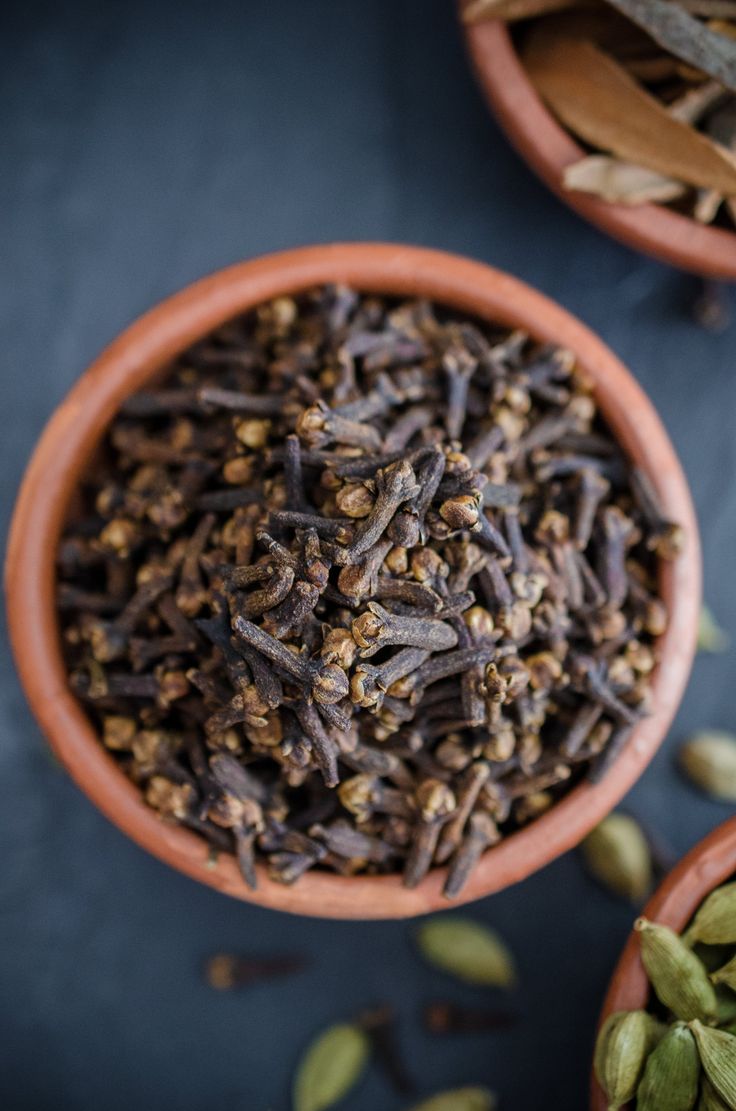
461	1099
467	949
331	1066
709	760
711	637
617	854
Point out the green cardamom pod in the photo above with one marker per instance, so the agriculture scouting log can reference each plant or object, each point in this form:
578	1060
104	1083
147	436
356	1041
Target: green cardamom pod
671	1074
726	975
618	856
331	1066
709	1098
461	1099
718	1057
624	1041
715	921
601	1045
677	976
709	760
468	950
711	637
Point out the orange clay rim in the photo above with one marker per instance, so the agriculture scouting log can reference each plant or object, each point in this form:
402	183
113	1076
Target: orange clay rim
548	148
707	866
146	347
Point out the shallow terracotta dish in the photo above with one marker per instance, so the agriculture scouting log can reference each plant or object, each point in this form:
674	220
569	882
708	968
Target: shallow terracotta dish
707	866
549	148
137	356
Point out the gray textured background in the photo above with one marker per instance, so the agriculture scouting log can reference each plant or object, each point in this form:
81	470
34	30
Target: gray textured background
143	146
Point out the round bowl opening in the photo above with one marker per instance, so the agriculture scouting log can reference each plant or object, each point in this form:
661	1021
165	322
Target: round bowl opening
137	357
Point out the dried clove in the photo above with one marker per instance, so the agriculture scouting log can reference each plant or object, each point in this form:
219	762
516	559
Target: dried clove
441	1017
226	971
362	586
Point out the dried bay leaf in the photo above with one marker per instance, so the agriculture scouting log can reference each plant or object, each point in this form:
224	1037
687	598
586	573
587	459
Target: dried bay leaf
680	33
460	1099
595	97
331	1066
468	950
628	183
621	182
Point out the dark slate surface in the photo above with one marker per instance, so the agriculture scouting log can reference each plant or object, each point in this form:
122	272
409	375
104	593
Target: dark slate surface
143	146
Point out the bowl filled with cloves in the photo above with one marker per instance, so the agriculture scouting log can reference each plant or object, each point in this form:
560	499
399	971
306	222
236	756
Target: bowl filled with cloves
667	1036
355	580
626	110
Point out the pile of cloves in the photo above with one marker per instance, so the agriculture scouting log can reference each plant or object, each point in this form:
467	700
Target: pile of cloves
362	586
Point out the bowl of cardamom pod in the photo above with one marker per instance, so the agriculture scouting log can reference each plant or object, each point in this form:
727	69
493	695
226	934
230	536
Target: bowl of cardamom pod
626	110
667	1036
355	580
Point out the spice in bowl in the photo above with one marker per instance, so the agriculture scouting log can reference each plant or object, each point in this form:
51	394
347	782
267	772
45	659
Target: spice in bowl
682	1051
649	88
363	586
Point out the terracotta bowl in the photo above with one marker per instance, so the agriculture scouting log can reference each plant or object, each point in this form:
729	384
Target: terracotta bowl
137	356
549	149
707	866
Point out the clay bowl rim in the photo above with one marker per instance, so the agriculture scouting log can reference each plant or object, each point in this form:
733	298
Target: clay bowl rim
709	864
146	346
548	148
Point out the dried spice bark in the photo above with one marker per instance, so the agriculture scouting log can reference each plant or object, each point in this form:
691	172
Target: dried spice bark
605	106
680	33
362	587
643	83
